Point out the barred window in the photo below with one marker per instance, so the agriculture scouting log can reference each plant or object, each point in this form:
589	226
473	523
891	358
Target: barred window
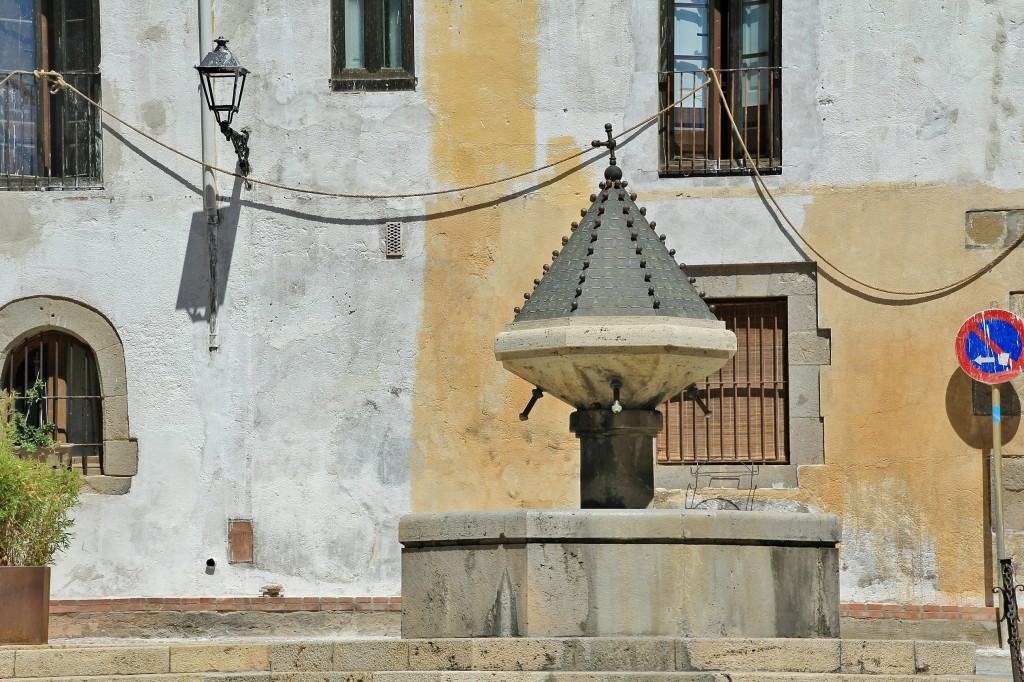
747	397
71	399
49	140
741	39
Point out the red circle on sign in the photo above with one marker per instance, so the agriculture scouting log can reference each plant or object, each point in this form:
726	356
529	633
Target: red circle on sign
975	325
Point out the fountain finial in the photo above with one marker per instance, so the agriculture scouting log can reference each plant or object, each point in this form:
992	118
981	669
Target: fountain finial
612	172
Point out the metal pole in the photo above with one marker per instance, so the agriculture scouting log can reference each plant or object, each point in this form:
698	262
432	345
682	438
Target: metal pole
1007	589
997	470
210	192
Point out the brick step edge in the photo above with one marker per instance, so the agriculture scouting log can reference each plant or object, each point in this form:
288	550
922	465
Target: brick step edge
394	603
918	611
225	604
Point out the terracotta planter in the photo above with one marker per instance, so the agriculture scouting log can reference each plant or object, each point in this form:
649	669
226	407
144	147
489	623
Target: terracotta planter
25	604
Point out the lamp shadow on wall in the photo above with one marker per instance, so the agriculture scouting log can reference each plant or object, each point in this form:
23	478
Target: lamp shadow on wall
194	287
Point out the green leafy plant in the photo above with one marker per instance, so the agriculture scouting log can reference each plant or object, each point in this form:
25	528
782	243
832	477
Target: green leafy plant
36	500
26	435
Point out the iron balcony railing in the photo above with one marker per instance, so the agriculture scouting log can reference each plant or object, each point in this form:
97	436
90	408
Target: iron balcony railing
697	137
49	140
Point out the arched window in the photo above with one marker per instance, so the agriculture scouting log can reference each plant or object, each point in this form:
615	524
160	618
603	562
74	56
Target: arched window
78	355
55	379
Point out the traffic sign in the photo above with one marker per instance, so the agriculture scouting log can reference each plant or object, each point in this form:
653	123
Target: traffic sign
989	346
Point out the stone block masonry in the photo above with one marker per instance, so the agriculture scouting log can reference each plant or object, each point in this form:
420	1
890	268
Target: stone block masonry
494	659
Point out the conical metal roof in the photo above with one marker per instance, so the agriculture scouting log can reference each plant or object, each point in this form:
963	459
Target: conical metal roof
613	264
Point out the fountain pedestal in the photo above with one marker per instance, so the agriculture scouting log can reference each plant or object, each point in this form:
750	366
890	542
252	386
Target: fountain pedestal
616	457
609	572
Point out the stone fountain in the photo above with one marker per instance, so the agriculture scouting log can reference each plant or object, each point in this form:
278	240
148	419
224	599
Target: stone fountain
614	328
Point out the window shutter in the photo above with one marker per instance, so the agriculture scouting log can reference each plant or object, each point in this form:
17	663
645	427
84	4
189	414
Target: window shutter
747	397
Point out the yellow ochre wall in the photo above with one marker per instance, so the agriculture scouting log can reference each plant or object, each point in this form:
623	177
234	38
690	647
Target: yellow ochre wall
904	455
904	466
470	450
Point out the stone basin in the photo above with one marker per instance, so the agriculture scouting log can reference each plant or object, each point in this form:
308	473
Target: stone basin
596	573
575	359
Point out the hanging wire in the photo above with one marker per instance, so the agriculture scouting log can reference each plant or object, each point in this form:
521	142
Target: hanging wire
782	212
57	82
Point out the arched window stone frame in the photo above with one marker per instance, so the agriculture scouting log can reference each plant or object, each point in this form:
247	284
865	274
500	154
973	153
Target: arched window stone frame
29	316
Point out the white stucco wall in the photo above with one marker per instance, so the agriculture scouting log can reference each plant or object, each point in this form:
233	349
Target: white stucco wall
302	419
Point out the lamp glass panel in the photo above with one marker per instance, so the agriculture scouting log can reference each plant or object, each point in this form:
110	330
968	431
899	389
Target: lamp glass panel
223	93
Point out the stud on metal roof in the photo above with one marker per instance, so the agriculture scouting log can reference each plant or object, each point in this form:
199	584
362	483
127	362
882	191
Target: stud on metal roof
613	264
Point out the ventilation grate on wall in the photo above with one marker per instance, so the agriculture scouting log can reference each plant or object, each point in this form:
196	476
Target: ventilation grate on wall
393	246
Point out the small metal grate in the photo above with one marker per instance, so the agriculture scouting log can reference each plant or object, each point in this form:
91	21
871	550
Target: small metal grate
393	247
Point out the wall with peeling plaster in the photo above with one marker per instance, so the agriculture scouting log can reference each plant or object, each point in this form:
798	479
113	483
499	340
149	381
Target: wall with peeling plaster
350	389
895	117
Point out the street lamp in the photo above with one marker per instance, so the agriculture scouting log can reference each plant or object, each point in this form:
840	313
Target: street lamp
223	81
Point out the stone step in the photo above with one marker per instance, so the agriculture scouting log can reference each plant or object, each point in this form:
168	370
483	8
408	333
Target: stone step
392	658
515	676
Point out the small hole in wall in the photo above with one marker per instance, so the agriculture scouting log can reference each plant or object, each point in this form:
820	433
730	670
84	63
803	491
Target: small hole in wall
211	566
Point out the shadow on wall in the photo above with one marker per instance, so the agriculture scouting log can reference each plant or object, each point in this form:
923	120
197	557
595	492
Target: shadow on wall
976	429
194	288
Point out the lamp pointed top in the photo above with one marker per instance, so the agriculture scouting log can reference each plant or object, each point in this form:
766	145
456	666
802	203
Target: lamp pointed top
221	59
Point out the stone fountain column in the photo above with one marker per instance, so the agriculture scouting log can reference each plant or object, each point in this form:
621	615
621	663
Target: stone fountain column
616	457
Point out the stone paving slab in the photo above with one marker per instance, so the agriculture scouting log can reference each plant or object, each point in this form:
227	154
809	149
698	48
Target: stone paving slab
519	676
395	660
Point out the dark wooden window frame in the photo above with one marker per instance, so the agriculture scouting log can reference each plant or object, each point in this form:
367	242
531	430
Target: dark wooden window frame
375	77
60	168
724	28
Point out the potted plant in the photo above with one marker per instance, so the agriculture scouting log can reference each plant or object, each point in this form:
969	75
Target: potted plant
36	499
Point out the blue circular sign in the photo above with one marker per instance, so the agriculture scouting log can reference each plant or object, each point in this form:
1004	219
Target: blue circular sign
990	345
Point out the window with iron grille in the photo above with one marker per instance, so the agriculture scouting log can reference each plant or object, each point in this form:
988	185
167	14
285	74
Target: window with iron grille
49	140
747	397
742	40
372	45
72	401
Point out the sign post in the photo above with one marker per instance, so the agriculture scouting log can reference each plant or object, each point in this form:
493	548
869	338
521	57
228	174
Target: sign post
989	348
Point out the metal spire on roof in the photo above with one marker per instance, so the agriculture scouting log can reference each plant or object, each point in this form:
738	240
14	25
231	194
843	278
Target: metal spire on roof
614	263
613	172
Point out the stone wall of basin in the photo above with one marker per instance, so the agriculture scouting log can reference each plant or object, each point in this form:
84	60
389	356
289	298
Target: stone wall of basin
569	573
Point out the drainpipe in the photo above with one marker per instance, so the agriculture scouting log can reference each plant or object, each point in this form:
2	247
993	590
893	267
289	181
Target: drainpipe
210	193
